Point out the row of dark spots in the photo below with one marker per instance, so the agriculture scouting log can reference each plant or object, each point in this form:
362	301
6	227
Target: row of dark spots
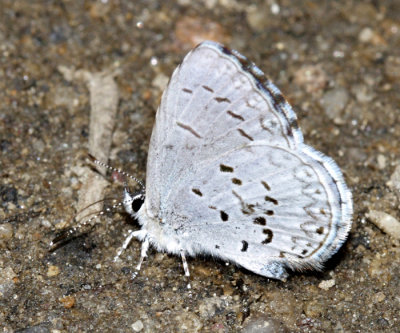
269	212
262	221
227	168
279	101
224	216
217	99
268	232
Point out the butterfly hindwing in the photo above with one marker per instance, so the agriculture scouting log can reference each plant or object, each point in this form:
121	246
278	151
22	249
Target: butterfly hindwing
276	210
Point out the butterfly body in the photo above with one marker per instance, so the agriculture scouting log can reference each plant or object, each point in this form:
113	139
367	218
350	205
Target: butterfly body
228	173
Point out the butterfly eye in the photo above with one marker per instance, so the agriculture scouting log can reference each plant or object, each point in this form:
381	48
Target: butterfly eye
137	202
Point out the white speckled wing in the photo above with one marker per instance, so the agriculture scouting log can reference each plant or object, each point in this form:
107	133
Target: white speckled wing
229	172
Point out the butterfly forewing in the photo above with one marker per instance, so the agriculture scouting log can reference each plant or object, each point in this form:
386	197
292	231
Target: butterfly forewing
210	106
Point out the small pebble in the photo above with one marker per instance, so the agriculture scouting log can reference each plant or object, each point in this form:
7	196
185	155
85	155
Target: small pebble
379	297
334	101
137	326
327	284
387	223
381	159
314	309
192	30
160	81
53	271
262	323
68	301
312	77
394	182
6	231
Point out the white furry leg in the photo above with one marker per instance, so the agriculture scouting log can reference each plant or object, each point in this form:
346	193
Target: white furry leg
185	267
143	254
127	240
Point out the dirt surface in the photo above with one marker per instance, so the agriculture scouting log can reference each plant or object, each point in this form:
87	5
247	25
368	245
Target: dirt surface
337	62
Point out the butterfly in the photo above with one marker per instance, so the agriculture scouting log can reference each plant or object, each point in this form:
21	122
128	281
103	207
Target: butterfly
228	173
229	176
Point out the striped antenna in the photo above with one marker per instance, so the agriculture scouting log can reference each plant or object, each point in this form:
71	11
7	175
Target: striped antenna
96	161
69	233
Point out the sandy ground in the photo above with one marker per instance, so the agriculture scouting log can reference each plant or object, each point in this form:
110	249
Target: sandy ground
338	64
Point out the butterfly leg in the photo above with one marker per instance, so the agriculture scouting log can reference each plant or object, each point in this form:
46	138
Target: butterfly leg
126	243
143	254
137	234
185	267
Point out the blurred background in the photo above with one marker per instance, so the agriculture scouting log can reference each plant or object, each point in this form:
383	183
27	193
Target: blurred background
338	64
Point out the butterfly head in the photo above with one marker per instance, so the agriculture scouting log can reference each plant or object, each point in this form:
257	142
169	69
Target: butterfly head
133	201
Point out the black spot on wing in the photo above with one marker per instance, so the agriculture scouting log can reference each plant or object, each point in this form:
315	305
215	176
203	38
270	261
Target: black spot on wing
265	184
269	212
244	246
222	99
243	133
248	209
260	220
224	216
236	181
235	115
207	88
187	91
197	191
189	129
320	230
225	168
269	234
270	199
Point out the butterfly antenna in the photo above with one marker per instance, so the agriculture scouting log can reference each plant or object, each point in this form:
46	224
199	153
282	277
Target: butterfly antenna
96	161
69	233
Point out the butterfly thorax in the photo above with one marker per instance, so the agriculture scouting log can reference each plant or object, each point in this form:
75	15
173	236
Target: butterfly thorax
163	236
